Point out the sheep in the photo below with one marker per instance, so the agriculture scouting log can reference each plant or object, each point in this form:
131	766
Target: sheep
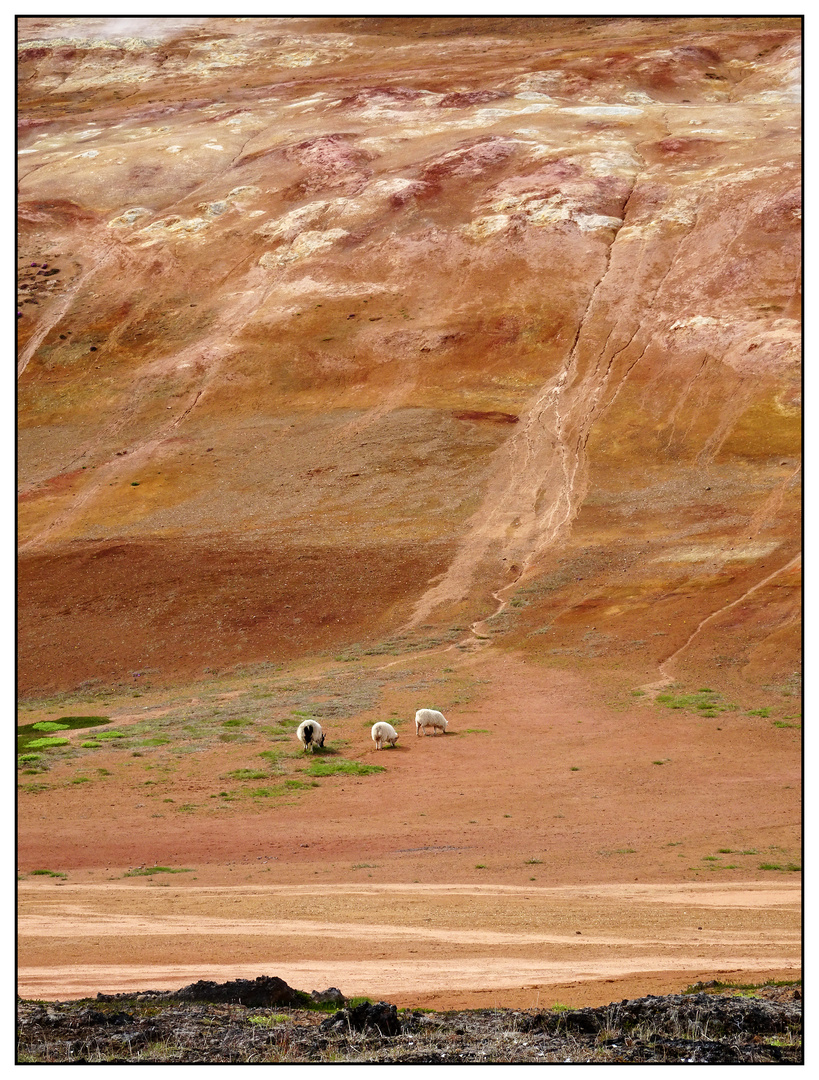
309	733
383	732
425	718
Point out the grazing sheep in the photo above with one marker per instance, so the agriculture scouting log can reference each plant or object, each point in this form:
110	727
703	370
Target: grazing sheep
384	733
425	718
309	733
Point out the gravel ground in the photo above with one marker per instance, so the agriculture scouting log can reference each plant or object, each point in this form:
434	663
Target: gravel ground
708	1026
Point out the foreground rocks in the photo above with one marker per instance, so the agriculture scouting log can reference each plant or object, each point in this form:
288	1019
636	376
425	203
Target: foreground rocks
264	992
155	1027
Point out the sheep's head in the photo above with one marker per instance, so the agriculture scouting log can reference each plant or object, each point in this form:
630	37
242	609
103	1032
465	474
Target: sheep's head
321	740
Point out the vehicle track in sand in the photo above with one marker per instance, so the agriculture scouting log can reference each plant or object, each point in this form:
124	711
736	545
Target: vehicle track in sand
449	948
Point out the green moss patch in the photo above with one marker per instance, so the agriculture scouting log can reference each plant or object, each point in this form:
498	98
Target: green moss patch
29	735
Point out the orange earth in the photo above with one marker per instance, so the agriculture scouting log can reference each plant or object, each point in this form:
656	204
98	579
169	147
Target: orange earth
559	843
370	364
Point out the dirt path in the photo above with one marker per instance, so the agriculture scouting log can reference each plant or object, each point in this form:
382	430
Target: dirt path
450	946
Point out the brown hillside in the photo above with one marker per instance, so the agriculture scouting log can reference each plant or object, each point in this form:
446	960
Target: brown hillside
415	360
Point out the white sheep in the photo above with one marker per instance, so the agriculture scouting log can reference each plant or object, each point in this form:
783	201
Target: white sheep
425	718
309	733
383	732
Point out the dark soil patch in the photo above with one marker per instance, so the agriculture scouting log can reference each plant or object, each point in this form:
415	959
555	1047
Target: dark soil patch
184	608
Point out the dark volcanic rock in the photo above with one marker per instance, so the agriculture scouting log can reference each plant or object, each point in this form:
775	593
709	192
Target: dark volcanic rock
264	991
677	1013
332	995
380	1017
160	1028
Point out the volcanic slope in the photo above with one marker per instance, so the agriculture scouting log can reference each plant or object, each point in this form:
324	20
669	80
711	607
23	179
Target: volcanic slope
368	364
330	327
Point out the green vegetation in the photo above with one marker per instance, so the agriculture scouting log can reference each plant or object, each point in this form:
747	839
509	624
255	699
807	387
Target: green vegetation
48	873
147	871
267	792
82	721
342	767
706	702
30	735
274	757
716	862
262	715
402	643
717	987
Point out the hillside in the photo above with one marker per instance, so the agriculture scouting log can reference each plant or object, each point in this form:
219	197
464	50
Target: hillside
370	364
352	325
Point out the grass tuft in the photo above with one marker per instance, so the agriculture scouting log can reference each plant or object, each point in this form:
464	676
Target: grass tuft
343	768
147	871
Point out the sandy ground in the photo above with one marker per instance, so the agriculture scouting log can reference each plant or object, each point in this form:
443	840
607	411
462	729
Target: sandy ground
439	947
620	858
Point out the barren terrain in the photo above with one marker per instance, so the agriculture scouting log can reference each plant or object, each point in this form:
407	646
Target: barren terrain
370	364
614	851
